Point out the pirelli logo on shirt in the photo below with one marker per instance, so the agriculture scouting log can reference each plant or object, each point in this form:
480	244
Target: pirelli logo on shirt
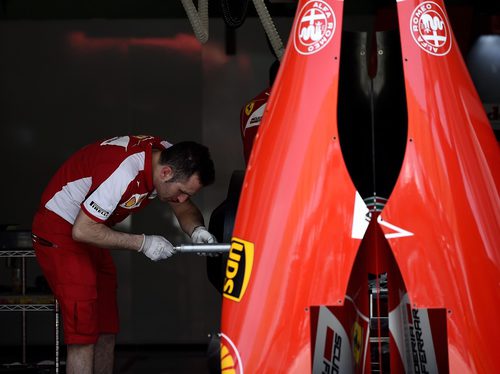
238	269
98	209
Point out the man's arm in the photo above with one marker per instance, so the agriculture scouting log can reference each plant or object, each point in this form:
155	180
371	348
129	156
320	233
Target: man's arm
191	221
89	231
188	215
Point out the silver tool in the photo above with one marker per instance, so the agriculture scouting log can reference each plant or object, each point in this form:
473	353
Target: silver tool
203	248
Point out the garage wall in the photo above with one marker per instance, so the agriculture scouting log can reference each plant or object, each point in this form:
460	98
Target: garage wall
66	83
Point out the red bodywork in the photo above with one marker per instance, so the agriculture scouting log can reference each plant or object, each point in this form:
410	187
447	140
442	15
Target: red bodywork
295	253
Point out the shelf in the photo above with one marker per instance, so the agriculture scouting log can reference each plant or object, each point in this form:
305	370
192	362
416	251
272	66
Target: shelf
27	308
27	303
27	299
17	253
18	244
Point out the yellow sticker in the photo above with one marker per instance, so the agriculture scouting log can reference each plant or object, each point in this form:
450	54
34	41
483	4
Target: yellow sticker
227	364
357	344
134	201
249	108
238	269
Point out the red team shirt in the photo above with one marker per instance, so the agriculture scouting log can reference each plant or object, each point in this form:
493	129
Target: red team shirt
107	180
250	118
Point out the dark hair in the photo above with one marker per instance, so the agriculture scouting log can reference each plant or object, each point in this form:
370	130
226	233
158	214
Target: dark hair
188	158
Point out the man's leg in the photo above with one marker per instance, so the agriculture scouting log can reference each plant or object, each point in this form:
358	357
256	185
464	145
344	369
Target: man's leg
107	312
76	299
80	359
104	354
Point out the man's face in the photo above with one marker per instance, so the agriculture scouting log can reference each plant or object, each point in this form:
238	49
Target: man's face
178	191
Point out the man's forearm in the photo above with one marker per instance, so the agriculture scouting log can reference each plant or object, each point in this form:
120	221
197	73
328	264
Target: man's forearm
88	231
188	215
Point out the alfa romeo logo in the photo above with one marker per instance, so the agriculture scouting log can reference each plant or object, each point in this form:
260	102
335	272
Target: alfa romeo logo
430	29
315	27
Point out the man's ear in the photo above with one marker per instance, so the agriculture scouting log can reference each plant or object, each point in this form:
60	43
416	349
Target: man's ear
166	173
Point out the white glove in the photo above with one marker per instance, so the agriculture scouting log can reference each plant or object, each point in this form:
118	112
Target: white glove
201	235
156	247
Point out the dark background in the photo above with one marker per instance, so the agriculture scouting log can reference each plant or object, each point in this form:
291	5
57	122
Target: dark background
72	72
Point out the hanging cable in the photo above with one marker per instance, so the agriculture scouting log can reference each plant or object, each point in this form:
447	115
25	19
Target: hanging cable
270	28
199	22
198	18
234	12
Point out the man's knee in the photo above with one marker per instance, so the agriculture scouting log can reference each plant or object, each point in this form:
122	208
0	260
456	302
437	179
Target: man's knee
106	339
80	347
80	359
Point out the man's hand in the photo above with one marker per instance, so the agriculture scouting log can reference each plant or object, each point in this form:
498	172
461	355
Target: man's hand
201	235
156	247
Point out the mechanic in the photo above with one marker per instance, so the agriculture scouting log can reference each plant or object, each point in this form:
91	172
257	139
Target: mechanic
97	187
253	111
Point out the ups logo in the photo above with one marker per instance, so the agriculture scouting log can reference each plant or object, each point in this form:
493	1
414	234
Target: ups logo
238	269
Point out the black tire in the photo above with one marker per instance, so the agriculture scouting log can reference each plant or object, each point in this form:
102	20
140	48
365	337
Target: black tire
221	225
